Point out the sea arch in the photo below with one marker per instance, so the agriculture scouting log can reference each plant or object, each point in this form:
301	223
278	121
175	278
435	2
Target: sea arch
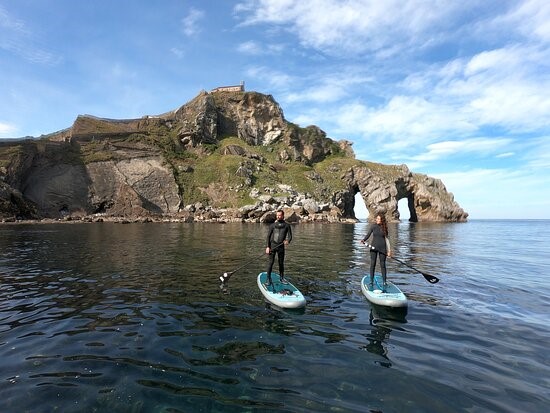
382	189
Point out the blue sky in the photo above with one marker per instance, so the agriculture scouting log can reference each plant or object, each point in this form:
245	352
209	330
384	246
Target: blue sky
458	90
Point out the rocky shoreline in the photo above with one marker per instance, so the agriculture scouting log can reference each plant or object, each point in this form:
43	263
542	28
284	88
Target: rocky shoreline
319	218
264	214
298	208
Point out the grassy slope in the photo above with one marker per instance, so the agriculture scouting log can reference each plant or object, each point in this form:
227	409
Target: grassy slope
206	175
218	172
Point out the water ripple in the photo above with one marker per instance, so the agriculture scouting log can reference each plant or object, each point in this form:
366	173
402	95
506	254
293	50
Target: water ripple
131	318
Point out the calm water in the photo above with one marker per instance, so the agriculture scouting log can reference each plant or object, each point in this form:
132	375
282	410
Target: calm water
130	318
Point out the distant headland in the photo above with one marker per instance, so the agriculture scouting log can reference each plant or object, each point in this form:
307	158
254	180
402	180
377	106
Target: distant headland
227	155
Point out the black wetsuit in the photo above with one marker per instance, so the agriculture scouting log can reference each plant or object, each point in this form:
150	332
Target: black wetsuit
279	231
379	244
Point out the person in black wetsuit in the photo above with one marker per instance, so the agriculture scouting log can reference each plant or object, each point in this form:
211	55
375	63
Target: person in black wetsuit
379	232
279	235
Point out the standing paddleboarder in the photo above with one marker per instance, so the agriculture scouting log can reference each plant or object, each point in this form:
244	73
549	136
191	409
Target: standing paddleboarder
280	235
381	244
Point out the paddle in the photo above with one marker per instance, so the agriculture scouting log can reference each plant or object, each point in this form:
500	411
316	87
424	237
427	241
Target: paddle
227	275
430	278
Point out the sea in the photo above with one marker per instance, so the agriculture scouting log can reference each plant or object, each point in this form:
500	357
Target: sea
110	317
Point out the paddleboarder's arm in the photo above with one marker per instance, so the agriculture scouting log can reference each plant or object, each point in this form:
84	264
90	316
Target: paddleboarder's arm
288	234
369	232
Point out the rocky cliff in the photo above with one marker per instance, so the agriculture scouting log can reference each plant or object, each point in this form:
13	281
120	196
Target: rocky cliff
223	156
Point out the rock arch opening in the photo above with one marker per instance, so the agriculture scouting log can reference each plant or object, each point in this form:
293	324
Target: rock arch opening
382	190
359	207
405	207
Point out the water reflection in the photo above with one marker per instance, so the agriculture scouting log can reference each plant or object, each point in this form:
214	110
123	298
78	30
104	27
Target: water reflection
423	244
383	321
110	317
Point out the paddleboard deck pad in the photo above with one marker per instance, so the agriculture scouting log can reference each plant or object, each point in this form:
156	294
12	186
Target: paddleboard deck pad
282	295
393	297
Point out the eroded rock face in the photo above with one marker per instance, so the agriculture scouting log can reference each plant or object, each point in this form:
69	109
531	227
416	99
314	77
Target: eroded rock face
381	190
53	182
132	187
197	121
47	177
57	189
432	202
14	206
256	119
259	121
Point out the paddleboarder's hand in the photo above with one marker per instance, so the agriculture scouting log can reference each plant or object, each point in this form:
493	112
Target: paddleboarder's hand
285	242
363	241
268	250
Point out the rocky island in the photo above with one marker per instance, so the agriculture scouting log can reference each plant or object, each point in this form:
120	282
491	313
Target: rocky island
227	155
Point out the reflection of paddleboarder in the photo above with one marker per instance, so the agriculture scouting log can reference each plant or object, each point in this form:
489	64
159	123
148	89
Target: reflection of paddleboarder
381	321
381	244
280	234
378	338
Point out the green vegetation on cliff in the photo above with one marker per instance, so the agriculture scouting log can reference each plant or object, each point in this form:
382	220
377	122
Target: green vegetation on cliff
206	174
222	150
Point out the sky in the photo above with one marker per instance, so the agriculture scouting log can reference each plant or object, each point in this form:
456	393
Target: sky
457	90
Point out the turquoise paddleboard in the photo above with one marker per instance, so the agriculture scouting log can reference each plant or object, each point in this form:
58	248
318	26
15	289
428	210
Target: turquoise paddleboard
282	295
393	297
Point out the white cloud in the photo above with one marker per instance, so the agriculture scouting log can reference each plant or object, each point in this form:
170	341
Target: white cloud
250	47
502	88
319	94
272	77
516	106
441	150
506	155
7	129
17	38
352	26
326	92
7	22
304	120
410	118
254	48
507	87
537	155
491	60
178	52
500	193
190	22
531	18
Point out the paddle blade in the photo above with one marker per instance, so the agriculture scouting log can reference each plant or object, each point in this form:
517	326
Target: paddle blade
430	278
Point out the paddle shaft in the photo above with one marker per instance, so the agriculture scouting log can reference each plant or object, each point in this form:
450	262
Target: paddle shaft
430	278
227	275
